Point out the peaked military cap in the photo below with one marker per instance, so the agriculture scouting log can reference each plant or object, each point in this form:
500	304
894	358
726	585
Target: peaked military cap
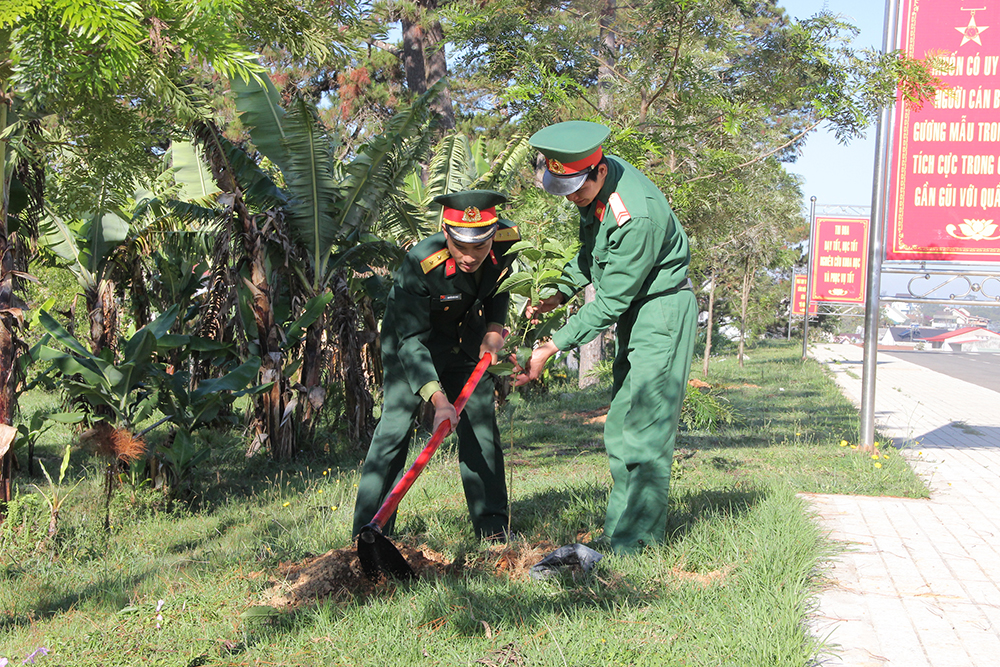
470	216
571	149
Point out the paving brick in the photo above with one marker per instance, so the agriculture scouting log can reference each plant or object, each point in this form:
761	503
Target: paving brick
920	584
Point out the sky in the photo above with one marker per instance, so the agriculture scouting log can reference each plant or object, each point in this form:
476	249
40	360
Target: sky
834	173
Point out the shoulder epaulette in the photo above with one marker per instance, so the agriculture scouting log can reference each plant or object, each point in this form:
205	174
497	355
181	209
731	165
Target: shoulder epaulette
434	260
618	209
507	234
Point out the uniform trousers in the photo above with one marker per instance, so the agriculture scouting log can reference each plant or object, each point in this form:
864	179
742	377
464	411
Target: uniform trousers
479	453
655	341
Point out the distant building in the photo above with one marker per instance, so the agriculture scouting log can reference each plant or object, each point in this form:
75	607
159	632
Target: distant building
946	321
966	339
910	337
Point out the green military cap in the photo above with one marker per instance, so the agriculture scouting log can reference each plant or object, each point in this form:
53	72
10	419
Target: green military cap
470	216
571	149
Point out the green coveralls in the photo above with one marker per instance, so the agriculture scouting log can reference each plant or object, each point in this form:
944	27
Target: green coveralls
638	265
433	327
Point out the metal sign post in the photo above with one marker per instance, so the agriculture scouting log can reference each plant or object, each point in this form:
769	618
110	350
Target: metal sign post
875	237
809	271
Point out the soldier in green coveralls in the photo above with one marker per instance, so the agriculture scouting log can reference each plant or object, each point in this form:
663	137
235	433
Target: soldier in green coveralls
442	315
636	255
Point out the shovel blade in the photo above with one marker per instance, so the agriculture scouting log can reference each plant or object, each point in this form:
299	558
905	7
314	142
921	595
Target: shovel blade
378	555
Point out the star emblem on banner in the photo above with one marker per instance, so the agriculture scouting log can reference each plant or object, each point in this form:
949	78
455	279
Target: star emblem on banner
971	32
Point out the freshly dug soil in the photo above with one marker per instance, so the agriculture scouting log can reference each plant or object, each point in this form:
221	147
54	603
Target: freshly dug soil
337	574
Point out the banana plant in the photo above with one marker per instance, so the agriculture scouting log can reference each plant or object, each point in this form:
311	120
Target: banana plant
126	389
85	246
329	211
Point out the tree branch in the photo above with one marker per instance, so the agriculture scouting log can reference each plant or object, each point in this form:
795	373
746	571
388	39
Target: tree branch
386	46
670	73
759	157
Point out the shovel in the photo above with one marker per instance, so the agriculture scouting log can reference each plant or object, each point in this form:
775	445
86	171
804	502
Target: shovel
375	552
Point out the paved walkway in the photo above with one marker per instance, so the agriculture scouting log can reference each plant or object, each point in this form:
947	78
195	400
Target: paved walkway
918	584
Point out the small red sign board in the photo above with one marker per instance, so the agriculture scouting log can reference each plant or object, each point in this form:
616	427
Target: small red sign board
799	296
840	260
944	183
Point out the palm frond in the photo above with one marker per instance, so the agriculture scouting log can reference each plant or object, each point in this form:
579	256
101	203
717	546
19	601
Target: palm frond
451	169
381	165
190	173
311	185
258	103
506	165
233	170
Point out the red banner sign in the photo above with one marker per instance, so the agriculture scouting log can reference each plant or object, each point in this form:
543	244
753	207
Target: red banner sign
799	296
943	186
840	260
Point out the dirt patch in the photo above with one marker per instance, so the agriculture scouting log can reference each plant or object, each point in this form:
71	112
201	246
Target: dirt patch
337	574
699	384
598	416
705	579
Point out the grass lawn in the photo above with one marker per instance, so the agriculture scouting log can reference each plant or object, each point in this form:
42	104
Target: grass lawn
186	583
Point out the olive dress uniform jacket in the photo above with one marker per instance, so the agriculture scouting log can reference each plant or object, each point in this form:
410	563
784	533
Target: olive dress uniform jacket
632	248
434	308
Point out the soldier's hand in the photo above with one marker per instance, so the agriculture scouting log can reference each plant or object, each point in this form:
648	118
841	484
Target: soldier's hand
539	356
543	306
492	344
443	411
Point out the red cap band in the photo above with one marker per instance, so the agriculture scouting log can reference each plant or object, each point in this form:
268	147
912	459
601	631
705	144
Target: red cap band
570	168
470	217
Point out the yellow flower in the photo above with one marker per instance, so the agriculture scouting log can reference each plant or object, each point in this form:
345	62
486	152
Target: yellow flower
854	446
878	465
885	456
797	434
286	504
355	486
324	472
320	491
333	507
877	444
875	456
844	443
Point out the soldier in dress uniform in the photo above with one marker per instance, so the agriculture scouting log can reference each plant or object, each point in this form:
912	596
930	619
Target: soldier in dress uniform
442	315
636	255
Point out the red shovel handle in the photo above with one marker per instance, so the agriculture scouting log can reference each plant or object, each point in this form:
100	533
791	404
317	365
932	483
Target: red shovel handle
392	501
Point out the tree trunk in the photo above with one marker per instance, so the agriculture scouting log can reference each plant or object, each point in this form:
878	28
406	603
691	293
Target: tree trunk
437	68
103	312
358	402
609	51
312	367
744	301
590	353
413	57
6	335
269	429
708	334
593	352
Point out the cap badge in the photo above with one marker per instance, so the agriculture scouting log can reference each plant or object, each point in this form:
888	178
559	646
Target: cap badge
472	214
556	167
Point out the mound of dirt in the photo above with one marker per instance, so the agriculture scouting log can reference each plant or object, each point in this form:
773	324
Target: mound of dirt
337	574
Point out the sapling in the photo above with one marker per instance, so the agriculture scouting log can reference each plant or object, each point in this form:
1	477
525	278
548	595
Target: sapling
55	498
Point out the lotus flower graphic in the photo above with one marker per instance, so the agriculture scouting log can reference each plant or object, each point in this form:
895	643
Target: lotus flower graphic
974	230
